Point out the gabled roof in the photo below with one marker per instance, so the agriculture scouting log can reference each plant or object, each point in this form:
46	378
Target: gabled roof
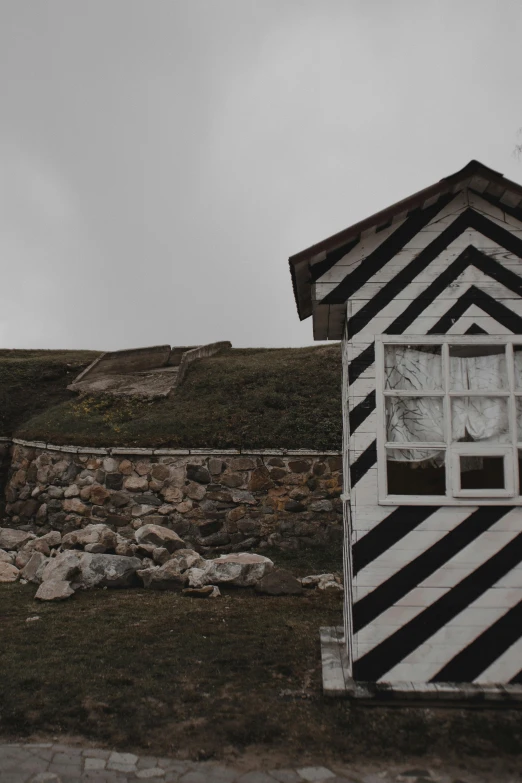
308	265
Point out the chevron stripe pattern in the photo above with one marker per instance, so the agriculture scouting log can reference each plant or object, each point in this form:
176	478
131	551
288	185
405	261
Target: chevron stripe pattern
436	591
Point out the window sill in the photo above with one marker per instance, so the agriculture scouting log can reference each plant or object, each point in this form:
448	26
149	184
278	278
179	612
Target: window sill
430	500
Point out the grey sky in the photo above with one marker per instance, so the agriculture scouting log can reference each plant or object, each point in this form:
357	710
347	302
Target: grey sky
161	159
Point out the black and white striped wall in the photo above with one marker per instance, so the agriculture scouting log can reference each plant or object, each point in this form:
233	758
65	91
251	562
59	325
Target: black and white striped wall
434	593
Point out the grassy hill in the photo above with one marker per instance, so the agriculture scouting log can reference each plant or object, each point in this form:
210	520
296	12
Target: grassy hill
33	381
243	398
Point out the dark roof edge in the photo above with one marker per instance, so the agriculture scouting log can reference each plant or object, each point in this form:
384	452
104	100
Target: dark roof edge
445	185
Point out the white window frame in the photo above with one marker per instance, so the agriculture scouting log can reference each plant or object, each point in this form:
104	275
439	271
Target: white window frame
455	496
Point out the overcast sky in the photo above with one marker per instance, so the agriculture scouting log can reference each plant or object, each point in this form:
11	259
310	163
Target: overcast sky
161	159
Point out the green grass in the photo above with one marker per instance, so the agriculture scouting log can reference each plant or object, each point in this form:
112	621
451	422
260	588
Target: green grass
167	674
243	398
32	381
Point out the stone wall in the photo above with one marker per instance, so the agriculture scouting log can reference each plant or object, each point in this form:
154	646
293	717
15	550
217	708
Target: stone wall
218	502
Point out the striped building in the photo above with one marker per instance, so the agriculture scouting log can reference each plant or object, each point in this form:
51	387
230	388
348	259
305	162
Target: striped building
426	297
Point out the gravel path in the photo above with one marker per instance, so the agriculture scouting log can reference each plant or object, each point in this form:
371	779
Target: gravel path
47	762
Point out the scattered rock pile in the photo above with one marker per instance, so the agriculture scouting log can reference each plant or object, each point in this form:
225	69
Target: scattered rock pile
155	558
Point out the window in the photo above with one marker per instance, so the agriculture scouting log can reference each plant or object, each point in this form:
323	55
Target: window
450	420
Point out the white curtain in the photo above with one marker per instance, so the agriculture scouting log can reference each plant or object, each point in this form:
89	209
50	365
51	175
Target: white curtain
420	419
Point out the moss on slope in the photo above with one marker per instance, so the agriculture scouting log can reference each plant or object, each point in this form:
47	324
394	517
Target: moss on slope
243	398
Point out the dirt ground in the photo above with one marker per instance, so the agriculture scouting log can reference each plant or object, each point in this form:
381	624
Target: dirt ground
237	676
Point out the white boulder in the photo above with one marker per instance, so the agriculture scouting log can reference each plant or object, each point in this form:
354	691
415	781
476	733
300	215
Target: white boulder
243	569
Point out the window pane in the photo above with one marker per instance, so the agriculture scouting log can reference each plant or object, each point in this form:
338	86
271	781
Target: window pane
518	407
414	419
480	419
482	472
415	367
415	472
478	368
517	354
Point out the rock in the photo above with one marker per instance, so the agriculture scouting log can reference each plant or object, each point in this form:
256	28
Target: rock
233	480
187	558
208	591
321	505
299	466
136	483
55	492
279	582
53	539
33	570
14	539
294	505
172	494
314	579
114	481
277	473
8	572
6	557
195	491
96	549
241	570
61	568
119	499
71	492
142	468
166	577
198	473
330	586
41	514
148	499
91	534
99	495
260	480
242	496
160	472
183	507
110	465
160	555
37	545
243	463
215	466
125	547
159	536
54	590
75	506
125	467
145	550
100	570
22	558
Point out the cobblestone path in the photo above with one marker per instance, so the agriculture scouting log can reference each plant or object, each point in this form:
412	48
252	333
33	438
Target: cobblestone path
46	762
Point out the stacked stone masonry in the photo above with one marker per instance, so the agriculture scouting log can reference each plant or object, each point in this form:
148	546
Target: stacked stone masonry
218	503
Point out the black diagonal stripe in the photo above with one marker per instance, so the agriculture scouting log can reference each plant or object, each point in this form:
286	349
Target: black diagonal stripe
484	650
361	363
474	296
469	257
322	267
475	329
467	219
515	212
361	412
397	586
363	463
383	536
380	659
517	679
387	250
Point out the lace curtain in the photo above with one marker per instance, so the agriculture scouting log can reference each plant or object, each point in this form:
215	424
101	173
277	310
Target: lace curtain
420	419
